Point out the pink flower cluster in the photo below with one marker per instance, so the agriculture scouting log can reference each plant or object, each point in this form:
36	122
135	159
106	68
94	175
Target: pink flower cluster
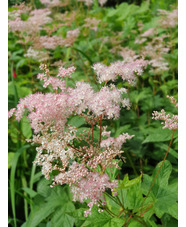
33	24
49	116
116	142
169	19
91	23
51	3
170	122
125	70
92	187
38	55
90	2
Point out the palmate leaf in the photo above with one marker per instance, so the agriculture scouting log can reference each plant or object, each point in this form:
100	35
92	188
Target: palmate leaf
102	219
158	135
164	195
126	183
53	204
130	193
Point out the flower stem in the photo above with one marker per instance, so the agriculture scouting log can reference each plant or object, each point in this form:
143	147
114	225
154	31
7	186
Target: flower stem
100	130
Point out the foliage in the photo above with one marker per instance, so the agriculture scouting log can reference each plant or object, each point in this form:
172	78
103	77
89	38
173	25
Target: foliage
147	191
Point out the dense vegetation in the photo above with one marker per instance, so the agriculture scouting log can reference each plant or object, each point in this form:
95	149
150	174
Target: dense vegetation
102	156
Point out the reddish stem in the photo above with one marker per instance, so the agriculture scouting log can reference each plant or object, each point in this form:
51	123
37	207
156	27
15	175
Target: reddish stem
146	209
100	130
75	148
128	220
92	134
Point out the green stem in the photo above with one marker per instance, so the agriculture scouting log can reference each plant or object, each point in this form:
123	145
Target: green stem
32	180
111	197
24	183
131	163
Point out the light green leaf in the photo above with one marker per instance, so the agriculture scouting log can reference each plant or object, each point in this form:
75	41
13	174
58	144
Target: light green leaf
26	128
102	219
10	158
164	196
134	223
159	135
77	121
126	183
122	129
22	91
63	216
30	192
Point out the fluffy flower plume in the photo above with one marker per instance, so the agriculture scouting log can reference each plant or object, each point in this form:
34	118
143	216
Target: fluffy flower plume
126	71
38	55
90	2
87	2
102	2
92	187
51	3
170	122
49	116
33	24
91	23
116	142
49	42
169	19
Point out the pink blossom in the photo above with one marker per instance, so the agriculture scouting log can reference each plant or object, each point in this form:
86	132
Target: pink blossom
65	72
92	187
169	122
126	71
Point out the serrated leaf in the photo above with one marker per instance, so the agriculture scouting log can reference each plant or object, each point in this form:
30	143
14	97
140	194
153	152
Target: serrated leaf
126	183
102	219
63	216
159	135
164	196
113	204
55	199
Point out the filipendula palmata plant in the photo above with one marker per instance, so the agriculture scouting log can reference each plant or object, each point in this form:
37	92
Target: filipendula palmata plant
84	159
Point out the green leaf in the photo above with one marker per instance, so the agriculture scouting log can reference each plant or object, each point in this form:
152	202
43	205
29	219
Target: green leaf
63	216
159	135
22	91
116	222
113	204
126	183
30	192
21	63
164	196
56	202
134	223
102	219
10	158
113	171
130	193
122	130
26	128
77	121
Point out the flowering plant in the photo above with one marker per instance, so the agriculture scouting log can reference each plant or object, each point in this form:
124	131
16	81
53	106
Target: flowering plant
92	141
77	156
